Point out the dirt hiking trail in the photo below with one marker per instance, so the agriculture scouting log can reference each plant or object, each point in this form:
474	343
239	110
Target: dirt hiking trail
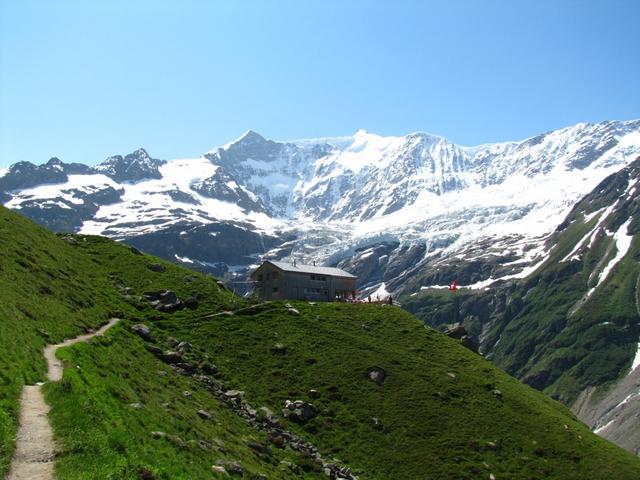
35	449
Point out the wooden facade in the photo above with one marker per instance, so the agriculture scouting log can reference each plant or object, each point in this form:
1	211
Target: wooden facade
290	281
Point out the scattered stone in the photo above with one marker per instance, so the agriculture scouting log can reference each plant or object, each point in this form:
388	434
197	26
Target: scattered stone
156	267
184	347
204	415
158	434
164	301
176	440
209	368
456	331
468	342
191	303
497	393
145	474
219	469
187	394
153	349
162	373
204	445
288	305
313	393
377	374
234	393
171	357
259	448
136	406
299	411
279	348
492	476
451	374
172	342
231	467
377	424
187	367
277	439
143	331
293	311
264	414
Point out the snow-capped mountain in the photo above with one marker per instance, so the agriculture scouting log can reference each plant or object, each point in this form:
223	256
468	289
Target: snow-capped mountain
419	200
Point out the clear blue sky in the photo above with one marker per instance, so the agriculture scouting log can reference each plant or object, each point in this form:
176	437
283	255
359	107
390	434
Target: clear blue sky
83	80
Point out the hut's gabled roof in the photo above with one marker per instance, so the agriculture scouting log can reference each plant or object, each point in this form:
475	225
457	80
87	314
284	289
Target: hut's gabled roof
313	269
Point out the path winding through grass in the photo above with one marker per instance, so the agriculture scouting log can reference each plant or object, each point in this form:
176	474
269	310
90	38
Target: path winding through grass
35	449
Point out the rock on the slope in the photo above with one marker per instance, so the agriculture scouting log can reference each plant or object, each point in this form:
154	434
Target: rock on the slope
299	411
377	375
143	331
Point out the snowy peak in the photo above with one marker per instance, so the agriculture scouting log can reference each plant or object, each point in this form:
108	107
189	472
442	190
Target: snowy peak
134	167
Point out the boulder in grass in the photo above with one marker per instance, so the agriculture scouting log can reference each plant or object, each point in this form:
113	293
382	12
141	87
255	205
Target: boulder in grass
143	331
377	374
153	349
171	357
203	414
230	466
219	469
299	411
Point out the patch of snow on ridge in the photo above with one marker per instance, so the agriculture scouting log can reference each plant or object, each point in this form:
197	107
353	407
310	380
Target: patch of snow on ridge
3	171
183	259
623	243
83	183
381	293
604	427
636	359
367	149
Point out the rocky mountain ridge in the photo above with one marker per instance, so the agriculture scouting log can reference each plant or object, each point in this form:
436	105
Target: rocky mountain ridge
491	207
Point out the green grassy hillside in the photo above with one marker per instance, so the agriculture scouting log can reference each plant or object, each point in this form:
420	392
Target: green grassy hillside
122	412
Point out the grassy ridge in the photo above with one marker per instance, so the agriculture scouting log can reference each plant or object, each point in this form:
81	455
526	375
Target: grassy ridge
49	292
442	412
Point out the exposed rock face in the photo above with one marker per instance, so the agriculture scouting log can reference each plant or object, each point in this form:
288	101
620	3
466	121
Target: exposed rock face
615	414
222	186
134	167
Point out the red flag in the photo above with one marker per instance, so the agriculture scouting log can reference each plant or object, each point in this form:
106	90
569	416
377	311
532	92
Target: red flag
453	287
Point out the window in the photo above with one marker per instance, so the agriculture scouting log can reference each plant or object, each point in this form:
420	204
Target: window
275	289
274	275
260	277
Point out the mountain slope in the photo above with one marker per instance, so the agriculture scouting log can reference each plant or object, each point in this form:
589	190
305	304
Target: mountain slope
119	390
572	327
